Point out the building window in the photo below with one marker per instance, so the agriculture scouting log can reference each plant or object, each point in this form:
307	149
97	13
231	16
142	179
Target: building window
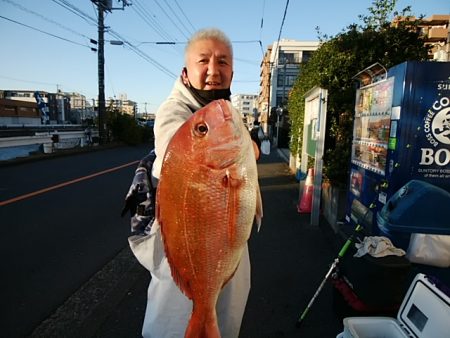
290	80
306	55
279	102
288	58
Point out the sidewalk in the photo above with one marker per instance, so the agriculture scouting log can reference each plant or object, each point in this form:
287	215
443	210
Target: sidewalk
289	259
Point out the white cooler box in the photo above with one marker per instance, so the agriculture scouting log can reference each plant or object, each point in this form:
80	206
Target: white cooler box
424	313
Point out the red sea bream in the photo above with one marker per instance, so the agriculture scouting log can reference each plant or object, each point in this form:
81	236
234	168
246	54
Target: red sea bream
207	200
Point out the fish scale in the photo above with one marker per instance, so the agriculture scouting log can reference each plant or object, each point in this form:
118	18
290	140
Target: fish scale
208	196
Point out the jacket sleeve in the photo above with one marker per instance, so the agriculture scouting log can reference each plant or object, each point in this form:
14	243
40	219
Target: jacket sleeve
170	116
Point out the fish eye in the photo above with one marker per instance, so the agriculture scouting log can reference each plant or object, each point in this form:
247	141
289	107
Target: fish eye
201	129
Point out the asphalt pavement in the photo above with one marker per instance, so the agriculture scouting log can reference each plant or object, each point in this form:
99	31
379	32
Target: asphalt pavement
289	260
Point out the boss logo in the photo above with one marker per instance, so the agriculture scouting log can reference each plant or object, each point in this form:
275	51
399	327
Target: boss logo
436	126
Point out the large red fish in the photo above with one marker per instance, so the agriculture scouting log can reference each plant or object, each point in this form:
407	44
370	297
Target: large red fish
208	196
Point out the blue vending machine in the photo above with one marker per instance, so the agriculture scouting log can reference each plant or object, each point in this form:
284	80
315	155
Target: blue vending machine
401	133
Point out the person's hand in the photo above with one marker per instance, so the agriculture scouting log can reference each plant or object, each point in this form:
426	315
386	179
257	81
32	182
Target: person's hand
137	193
140	199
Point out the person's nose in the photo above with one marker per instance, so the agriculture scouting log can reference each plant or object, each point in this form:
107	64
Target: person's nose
213	67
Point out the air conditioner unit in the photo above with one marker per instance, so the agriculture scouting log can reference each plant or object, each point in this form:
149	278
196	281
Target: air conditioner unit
440	55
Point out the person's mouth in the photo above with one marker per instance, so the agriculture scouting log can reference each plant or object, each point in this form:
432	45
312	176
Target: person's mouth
212	85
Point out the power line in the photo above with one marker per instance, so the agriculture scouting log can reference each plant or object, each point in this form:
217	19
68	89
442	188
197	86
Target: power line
150	20
45	18
262	20
281	27
67	5
136	50
29	81
168	16
43	83
179	20
185	42
110	80
246	61
261	28
187	19
39	30
143	55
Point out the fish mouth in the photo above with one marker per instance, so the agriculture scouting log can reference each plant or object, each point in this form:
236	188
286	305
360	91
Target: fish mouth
227	113
227	149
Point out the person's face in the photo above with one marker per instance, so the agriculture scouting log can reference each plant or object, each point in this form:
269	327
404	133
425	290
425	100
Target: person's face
209	65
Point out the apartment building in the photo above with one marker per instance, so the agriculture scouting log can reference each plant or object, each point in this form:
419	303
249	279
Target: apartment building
279	69
435	31
58	103
247	105
120	104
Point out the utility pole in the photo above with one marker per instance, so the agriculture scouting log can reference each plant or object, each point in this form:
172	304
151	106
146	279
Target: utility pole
102	6
101	73
283	101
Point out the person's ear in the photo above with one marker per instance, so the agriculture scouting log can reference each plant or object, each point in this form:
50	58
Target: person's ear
184	76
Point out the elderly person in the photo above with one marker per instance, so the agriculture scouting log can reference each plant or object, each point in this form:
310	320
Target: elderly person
206	77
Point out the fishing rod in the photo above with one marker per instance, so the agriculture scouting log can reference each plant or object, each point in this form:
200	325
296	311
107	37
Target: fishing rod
330	271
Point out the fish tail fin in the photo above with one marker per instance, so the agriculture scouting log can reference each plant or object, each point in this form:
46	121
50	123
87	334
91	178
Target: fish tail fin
203	324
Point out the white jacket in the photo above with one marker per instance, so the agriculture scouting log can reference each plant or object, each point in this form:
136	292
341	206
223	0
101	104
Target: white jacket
168	309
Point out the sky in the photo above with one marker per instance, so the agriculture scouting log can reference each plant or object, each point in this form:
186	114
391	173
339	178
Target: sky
46	43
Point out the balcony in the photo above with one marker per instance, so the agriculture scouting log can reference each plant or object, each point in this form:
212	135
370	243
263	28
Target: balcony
437	33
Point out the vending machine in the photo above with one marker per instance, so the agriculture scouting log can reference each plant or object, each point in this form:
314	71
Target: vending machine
401	133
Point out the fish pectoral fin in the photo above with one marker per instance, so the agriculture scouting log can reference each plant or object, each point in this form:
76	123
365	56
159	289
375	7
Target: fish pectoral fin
231	181
259	209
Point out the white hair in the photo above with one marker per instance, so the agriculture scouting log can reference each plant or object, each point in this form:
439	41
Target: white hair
209	34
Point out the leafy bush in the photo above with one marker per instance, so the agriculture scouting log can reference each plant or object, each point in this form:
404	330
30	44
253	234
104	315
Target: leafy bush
124	128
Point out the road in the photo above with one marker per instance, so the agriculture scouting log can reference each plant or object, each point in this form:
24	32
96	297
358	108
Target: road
60	224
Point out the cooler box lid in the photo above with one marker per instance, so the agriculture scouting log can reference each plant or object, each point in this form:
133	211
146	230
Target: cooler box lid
417	207
425	310
424	313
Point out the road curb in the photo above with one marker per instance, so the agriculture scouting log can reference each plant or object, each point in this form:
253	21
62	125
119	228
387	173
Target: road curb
84	312
38	156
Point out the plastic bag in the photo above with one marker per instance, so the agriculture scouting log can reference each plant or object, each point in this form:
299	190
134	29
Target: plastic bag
429	249
261	135
265	147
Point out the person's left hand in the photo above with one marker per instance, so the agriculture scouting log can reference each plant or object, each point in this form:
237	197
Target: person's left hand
137	192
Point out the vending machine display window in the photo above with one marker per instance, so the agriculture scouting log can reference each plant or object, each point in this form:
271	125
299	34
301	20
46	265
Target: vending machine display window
371	126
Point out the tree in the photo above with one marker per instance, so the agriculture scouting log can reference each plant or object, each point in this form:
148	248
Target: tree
333	66
124	128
